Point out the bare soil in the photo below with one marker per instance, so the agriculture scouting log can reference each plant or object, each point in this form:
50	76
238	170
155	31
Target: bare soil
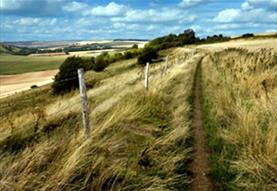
9	84
200	165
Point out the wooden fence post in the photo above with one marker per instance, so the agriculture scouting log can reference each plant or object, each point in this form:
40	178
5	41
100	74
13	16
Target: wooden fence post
84	99
166	65
146	76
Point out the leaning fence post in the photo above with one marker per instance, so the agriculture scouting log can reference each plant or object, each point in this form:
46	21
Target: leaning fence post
84	99
166	65
146	76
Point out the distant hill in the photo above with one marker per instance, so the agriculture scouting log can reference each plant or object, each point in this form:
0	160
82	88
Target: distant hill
15	50
135	40
9	49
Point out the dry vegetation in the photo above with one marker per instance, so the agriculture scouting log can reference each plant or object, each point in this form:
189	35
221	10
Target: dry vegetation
240	101
139	139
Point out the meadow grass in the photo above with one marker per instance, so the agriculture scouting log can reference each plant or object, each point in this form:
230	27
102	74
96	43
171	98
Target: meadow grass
239	101
139	138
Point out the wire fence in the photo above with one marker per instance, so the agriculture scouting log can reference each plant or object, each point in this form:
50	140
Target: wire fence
32	102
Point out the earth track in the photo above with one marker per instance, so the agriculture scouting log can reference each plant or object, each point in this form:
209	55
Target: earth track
200	164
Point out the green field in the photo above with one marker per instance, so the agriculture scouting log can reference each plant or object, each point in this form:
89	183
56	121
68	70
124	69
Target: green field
11	64
14	64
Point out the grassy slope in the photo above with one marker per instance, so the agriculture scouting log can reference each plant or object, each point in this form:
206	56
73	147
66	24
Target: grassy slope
5	50
139	139
240	115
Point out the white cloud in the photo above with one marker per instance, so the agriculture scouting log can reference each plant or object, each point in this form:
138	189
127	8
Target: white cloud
33	22
192	3
227	15
246	6
75	7
112	9
251	15
227	26
109	10
10	4
155	15
27	21
119	25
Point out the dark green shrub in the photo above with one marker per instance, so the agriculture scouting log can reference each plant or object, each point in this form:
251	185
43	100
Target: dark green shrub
67	77
101	62
172	40
34	87
116	57
247	35
135	46
147	55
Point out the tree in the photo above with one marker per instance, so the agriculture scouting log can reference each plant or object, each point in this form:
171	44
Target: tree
67	77
147	55
135	46
101	62
247	35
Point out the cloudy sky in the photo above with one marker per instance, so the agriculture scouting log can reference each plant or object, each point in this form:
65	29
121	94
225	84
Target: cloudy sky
103	19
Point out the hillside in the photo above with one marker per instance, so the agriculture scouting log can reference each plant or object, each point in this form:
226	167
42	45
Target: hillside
8	49
146	140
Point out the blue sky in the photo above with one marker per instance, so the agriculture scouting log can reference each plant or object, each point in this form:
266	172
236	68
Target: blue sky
23	20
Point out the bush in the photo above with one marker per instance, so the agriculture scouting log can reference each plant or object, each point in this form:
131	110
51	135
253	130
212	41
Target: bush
172	40
135	46
128	55
101	62
147	55
34	87
247	35
67	78
116	57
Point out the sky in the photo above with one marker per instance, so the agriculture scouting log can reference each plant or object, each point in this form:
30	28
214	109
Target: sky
50	20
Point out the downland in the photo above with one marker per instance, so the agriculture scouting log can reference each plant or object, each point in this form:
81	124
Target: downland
134	140
142	140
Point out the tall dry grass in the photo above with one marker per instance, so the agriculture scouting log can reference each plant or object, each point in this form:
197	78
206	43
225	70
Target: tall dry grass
240	98
139	139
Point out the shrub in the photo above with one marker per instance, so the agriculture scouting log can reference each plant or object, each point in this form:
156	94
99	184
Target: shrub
247	35
135	46
101	62
34	87
172	40
67	77
128	55
116	57
147	55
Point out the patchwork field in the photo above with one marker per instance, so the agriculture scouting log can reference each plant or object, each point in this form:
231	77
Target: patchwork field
12	64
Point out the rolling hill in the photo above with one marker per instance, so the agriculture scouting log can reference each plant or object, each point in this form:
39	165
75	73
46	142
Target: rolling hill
145	140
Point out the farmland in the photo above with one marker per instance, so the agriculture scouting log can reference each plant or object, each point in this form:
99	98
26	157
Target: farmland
14	64
11	64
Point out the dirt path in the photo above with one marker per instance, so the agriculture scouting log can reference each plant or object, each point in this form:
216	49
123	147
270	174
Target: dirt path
199	166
